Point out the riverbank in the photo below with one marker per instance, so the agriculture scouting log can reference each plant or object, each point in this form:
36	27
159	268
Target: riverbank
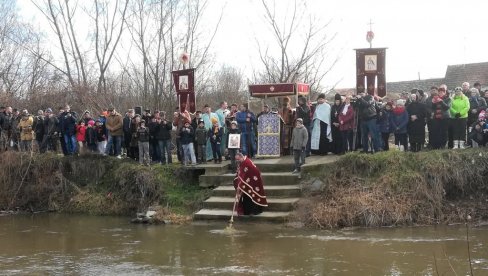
396	188
96	185
356	190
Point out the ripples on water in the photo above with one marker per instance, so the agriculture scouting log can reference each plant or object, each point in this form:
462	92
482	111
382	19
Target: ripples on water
83	245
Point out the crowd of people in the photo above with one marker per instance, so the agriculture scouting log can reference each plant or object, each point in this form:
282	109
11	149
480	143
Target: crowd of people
436	119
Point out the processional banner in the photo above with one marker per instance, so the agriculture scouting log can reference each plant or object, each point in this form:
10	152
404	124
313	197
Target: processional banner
184	81
269	135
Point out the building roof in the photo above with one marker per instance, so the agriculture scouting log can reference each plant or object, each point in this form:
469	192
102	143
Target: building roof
455	76
472	72
406	86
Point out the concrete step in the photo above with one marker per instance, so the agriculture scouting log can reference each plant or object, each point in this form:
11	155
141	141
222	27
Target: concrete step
221	214
274	204
270	191
270	179
213	169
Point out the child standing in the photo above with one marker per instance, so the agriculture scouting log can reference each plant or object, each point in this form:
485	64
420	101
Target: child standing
101	136
201	140
80	135
232	151
187	136
215	134
299	141
143	143
91	137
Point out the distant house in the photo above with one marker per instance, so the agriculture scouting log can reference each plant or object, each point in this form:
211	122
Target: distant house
455	76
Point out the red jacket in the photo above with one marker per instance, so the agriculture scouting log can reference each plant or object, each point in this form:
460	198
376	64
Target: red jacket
347	120
80	133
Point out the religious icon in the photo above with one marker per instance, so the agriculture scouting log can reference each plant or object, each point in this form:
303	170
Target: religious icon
370	62
183	82
234	141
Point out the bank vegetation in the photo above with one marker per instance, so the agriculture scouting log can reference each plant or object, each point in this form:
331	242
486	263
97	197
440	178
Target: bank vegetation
397	188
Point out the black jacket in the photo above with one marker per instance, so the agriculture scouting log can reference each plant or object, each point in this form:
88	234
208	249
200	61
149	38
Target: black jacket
186	135
163	131
303	112
368	109
143	134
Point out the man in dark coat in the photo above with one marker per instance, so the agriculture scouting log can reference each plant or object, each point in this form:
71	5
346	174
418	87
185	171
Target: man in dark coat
417	113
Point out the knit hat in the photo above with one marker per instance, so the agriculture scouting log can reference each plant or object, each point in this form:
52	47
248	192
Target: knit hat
201	122
337	97
214	120
400	102
233	123
300	120
91	123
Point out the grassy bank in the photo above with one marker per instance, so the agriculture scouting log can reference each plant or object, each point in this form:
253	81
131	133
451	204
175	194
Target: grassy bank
397	188
94	184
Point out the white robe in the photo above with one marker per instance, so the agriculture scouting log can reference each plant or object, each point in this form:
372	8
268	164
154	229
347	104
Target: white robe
322	113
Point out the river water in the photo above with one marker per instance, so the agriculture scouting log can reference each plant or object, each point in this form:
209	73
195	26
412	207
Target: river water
55	244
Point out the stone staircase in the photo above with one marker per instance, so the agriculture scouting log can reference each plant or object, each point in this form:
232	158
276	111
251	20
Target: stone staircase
281	186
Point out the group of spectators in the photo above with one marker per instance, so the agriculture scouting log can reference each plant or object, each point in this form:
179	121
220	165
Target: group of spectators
455	119
436	119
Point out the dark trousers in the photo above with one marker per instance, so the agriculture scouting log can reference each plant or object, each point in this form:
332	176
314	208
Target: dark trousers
459	129
415	147
299	158
439	133
385	137
179	150
347	140
232	155
202	153
370	127
450	137
48	143
217	155
63	144
165	151
309	142
401	139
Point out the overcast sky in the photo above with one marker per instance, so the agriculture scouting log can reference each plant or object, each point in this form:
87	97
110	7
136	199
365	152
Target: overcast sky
422	36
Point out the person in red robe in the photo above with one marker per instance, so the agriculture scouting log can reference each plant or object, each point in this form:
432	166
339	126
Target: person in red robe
249	186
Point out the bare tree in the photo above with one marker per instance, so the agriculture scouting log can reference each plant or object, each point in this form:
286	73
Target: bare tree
109	25
299	49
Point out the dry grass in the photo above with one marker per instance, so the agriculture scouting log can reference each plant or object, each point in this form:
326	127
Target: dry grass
396	188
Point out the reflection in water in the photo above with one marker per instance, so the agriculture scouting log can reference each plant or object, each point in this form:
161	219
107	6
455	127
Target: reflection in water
64	244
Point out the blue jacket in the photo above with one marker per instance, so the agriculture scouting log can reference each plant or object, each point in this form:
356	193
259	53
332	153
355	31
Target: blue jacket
398	123
245	127
383	121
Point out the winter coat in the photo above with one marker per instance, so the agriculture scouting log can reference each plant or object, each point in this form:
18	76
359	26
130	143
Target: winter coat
367	108
39	126
299	138
440	110
215	134
399	120
244	126
100	130
187	135
416	129
163	131
91	136
383	121
126	125
5	121
348	119
80	133
143	134
51	125
201	135
67	123
303	112
114	124
460	104
25	129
